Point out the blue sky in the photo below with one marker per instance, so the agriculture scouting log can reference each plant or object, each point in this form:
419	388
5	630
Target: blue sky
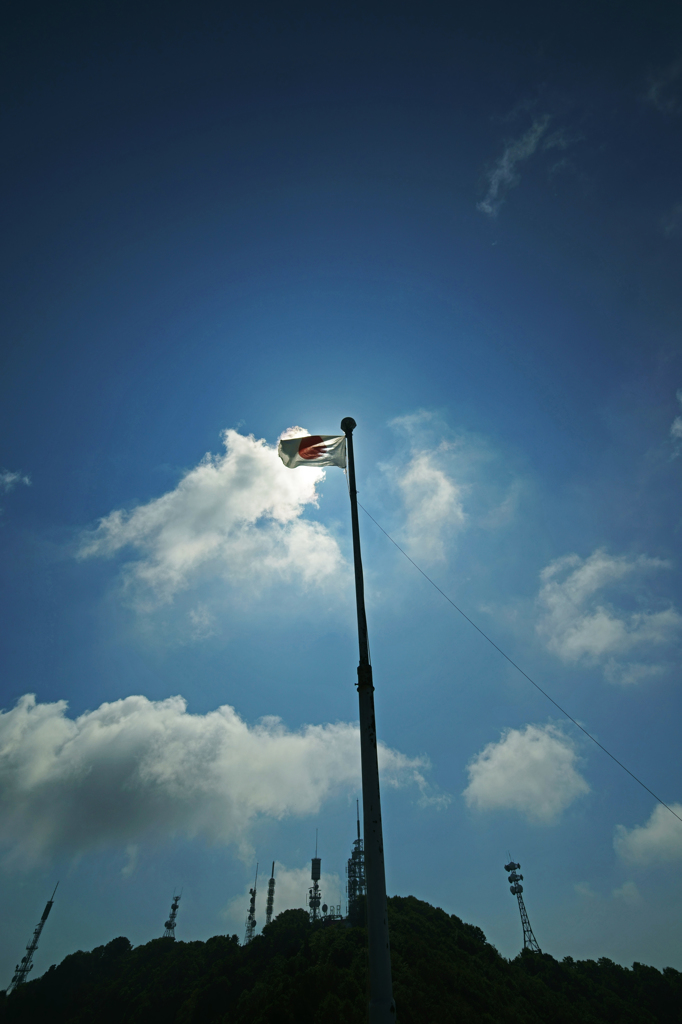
463	230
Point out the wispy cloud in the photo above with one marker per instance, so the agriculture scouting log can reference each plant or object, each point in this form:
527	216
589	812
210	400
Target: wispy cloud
504	175
628	893
657	842
561	139
672	222
137	770
430	493
676	428
445	486
661	92
9	480
579	624
433	502
203	622
531	770
237	516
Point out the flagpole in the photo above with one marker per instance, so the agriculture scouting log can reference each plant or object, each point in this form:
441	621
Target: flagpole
381	1004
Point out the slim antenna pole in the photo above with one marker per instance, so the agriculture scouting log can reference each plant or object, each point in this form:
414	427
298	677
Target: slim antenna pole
314	895
356	886
251	916
271	896
25	966
381	1003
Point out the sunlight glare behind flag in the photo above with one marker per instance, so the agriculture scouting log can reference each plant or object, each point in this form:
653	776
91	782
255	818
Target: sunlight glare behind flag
318	450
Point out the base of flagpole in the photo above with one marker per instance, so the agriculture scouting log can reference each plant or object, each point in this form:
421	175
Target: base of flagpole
382	1013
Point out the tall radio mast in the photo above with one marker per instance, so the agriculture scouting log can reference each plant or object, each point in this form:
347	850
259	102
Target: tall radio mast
529	940
314	894
26	965
170	923
271	896
355	870
251	916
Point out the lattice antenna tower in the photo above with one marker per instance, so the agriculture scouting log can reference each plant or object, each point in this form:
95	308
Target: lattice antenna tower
170	923
516	889
23	968
251	916
356	885
314	894
271	896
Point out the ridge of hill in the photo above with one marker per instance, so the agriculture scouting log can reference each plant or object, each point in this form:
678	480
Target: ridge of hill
296	973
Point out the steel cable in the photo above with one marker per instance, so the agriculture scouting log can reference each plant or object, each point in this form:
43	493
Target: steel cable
519	669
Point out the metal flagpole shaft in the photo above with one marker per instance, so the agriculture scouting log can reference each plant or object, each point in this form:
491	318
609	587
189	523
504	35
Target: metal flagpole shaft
381	1004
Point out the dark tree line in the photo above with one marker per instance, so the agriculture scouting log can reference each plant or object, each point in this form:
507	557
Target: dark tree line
444	972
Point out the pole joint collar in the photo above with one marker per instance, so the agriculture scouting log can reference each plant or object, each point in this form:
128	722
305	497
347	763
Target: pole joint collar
365	677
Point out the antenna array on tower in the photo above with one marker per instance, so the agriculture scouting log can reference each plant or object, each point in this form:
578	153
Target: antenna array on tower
170	923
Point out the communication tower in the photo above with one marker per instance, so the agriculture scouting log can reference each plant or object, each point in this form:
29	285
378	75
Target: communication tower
251	916
22	969
314	894
271	896
516	889
170	923
356	885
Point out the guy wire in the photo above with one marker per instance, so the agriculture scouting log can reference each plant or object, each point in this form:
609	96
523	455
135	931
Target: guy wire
519	669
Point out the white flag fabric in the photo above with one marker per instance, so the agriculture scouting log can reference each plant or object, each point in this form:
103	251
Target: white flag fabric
318	450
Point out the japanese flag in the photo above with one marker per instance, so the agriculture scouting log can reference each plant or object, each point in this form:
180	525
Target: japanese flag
318	450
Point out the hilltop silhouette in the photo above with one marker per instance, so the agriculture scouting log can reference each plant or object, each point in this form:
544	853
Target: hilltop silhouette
295	973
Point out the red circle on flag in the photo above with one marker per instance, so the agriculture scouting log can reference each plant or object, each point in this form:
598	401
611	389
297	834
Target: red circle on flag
307	447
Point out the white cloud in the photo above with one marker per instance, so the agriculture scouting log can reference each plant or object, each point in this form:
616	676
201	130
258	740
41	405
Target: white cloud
294	432
530	770
291	890
136	770
659	841
579	625
9	480
236	516
504	176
